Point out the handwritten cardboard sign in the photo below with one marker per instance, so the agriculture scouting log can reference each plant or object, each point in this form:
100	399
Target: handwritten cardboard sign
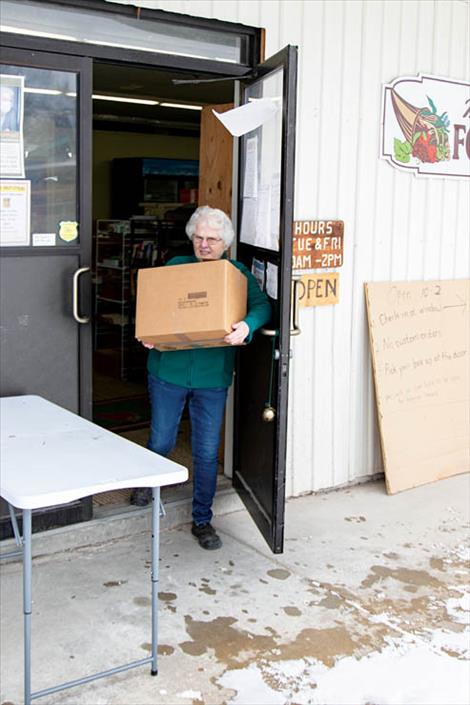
317	244
420	345
319	289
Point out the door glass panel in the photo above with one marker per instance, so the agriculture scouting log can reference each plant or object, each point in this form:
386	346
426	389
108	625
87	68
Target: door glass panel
261	170
124	31
42	148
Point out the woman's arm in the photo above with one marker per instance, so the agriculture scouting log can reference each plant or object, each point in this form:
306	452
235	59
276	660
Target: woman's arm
258	311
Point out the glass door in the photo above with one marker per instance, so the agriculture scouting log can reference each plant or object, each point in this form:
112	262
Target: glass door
266	196
45	233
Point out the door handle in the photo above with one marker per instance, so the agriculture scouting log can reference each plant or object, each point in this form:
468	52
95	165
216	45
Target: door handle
76	314
270	332
295	329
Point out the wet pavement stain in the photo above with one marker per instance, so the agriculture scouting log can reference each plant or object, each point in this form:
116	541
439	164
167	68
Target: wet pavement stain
279	573
392	555
331	602
163	649
236	648
142	601
438	564
207	590
292	611
404	575
115	583
338	591
356	520
418	615
233	647
166	596
325	645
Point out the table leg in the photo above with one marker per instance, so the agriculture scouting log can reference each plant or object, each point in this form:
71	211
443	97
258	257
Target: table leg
155	547
27	580
14	524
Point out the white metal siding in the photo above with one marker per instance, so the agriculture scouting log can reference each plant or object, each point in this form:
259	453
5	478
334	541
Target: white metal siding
396	226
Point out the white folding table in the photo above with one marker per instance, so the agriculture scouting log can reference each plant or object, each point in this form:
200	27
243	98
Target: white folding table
50	456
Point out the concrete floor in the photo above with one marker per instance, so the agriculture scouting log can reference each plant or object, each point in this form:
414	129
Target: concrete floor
368	604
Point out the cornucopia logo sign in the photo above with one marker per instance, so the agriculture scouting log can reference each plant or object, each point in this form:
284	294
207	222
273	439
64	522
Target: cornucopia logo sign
426	125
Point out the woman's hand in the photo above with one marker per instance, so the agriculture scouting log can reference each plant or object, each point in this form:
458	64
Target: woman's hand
241	331
146	345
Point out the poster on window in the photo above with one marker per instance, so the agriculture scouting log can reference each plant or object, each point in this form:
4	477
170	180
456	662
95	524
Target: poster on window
15	210
11	126
426	126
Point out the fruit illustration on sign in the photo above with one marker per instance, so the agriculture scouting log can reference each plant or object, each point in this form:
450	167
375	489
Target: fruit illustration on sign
426	133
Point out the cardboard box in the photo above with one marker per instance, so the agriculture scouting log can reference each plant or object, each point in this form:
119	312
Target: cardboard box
189	305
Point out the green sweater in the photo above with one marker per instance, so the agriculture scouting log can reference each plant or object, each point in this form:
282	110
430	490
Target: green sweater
203	368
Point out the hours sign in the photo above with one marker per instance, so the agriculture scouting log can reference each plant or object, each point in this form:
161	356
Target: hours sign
317	244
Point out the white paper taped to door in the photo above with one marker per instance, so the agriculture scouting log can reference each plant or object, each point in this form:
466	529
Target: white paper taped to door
245	118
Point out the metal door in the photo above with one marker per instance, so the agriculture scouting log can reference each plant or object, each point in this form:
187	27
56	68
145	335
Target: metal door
266	193
45	240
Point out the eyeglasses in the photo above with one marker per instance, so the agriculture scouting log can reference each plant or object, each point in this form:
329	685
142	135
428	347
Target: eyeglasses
211	241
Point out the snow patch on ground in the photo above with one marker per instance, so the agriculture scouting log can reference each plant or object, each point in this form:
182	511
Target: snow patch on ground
191	694
410	675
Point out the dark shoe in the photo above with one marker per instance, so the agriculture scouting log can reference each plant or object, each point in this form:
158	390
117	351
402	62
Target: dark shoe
141	497
205	534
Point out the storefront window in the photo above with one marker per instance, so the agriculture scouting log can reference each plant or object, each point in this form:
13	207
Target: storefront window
38	134
119	30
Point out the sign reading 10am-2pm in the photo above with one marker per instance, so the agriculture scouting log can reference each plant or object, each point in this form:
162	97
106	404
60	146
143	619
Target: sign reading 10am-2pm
317	244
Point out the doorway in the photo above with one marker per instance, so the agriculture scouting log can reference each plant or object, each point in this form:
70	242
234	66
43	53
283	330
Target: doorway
66	290
151	145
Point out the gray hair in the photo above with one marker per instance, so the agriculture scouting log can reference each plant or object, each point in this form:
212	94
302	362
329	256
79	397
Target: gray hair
216	219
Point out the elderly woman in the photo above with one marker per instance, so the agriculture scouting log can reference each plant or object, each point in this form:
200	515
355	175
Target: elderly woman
201	377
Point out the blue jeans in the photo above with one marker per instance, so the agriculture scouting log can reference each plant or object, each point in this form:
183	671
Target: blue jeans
206	411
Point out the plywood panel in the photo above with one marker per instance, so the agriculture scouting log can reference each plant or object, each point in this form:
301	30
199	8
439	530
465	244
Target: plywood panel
215	160
419	338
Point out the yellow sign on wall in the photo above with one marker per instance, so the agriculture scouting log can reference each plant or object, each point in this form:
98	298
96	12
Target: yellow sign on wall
319	289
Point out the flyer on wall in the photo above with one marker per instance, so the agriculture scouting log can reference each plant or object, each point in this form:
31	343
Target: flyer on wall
15	207
11	126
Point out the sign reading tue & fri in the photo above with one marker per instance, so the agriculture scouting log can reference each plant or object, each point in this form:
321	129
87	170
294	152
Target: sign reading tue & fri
317	244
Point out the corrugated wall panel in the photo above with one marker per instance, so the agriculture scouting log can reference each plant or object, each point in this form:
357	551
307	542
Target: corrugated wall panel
361	230
301	407
326	168
396	226
342	343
